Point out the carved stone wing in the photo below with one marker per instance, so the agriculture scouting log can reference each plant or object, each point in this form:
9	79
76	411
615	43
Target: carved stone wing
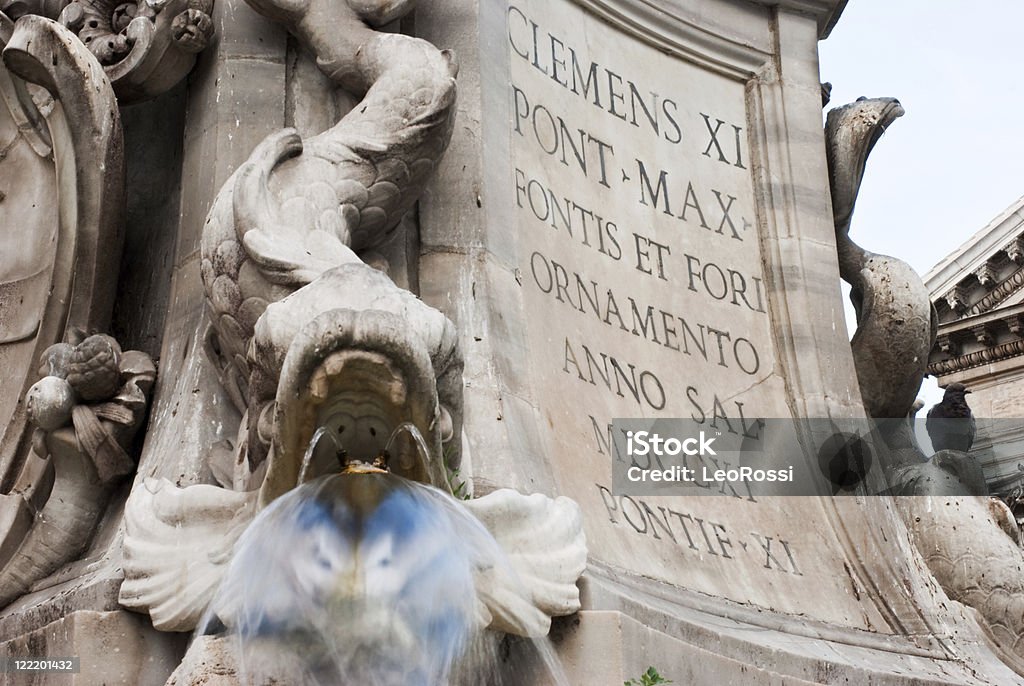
547	552
177	545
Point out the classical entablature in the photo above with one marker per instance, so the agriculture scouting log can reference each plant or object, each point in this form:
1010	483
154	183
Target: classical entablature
978	293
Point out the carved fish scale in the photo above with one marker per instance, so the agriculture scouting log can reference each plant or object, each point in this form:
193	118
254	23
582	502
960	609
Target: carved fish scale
297	208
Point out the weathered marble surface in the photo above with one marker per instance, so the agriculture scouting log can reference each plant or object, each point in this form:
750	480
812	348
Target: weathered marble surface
308	331
63	226
543	388
682	143
642	261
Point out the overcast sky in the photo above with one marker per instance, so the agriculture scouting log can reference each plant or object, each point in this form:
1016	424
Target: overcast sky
955	160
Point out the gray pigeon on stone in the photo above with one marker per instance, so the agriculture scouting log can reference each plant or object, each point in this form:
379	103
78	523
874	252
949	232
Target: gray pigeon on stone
950	423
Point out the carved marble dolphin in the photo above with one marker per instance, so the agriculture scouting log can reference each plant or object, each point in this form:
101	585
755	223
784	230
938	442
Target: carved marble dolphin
297	208
960	534
896	323
309	335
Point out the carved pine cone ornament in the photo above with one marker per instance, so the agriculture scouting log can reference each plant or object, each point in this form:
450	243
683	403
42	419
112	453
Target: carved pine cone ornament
94	368
89	372
99	392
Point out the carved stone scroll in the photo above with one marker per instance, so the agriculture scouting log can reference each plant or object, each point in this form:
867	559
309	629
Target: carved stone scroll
145	46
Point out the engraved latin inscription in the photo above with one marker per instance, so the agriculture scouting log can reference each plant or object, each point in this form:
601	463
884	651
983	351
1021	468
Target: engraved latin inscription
639	257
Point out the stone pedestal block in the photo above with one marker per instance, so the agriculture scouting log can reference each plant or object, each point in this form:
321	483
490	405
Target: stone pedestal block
117	647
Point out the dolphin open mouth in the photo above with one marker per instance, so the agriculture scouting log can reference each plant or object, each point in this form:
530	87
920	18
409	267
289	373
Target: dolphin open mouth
356	387
363	420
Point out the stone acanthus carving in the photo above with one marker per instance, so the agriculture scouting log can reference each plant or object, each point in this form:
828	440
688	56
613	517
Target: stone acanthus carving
145	46
1015	251
895	322
307	334
956	299
15	9
969	541
62	213
986	275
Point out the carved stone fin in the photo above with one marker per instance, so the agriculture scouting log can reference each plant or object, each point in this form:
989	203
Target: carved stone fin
177	545
547	549
895	320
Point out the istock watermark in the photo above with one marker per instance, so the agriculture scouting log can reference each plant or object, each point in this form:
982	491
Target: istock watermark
645	442
681	454
749	459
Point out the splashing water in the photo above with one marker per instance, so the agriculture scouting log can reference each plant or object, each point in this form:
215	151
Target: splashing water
409	429
327	457
358	579
314	442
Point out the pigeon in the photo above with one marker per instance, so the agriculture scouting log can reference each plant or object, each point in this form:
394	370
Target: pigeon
950	423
